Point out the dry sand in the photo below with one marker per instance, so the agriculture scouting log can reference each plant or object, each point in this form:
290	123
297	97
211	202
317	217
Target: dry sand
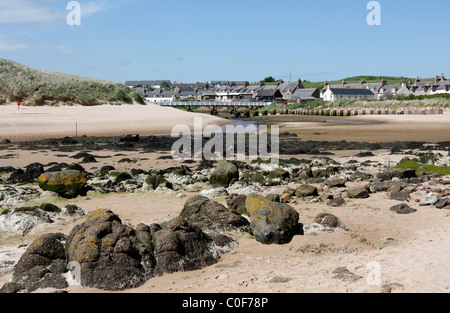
31	123
412	251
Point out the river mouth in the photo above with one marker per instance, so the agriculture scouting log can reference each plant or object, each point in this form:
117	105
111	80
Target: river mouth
249	126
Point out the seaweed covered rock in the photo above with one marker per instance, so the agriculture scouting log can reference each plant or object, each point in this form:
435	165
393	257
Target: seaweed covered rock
224	173
272	222
43	264
211	215
111	255
181	246
67	184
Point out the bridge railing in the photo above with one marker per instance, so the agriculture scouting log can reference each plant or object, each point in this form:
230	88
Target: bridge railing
212	103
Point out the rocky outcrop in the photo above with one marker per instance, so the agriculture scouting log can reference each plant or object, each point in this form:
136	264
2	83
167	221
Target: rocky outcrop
212	215
272	222
67	184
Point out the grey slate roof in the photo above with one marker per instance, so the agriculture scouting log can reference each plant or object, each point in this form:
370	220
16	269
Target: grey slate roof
351	91
306	94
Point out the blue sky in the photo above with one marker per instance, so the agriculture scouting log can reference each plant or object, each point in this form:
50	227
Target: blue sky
204	40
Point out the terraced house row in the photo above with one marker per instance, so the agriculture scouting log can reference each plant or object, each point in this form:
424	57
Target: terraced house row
242	91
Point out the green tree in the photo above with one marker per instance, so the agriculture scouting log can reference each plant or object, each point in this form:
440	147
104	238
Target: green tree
269	79
165	85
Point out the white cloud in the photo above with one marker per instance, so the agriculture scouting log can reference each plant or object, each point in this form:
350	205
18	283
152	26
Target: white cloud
29	11
26	11
6	44
66	50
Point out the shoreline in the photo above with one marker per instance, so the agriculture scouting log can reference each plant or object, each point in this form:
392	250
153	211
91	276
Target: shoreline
37	123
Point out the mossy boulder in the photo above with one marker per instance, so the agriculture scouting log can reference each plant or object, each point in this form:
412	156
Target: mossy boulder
272	222
211	215
155	181
253	178
278	174
306	191
67	184
224	173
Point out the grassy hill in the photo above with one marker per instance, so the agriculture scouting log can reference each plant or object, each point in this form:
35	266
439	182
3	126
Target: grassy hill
357	79
39	87
369	79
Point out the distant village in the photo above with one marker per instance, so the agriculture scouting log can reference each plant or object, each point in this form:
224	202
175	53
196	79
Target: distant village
162	91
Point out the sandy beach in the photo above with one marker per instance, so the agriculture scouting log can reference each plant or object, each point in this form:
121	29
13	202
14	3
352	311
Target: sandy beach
412	251
31	123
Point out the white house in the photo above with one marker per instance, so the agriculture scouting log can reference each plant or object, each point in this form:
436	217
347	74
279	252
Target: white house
338	94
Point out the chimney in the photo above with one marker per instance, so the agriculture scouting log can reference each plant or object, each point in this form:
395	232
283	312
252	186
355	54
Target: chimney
437	79
442	77
344	82
363	81
417	80
246	84
383	82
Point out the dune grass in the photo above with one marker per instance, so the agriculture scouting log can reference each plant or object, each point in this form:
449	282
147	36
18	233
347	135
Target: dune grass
39	87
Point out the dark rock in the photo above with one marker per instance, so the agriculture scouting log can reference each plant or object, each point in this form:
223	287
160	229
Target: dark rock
237	203
89	159
106	169
272	222
48	207
330	220
155	181
20	177
180	246
211	215
68	141
342	273
335	182
361	176
364	154
358	193
402	209
110	254
253	178
306	191
35	170
273	197
278	174
32	270
442	203
130	138
336	202
399	196
12	288
223	174
384	176
384	186
402	173
7	169
118	177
